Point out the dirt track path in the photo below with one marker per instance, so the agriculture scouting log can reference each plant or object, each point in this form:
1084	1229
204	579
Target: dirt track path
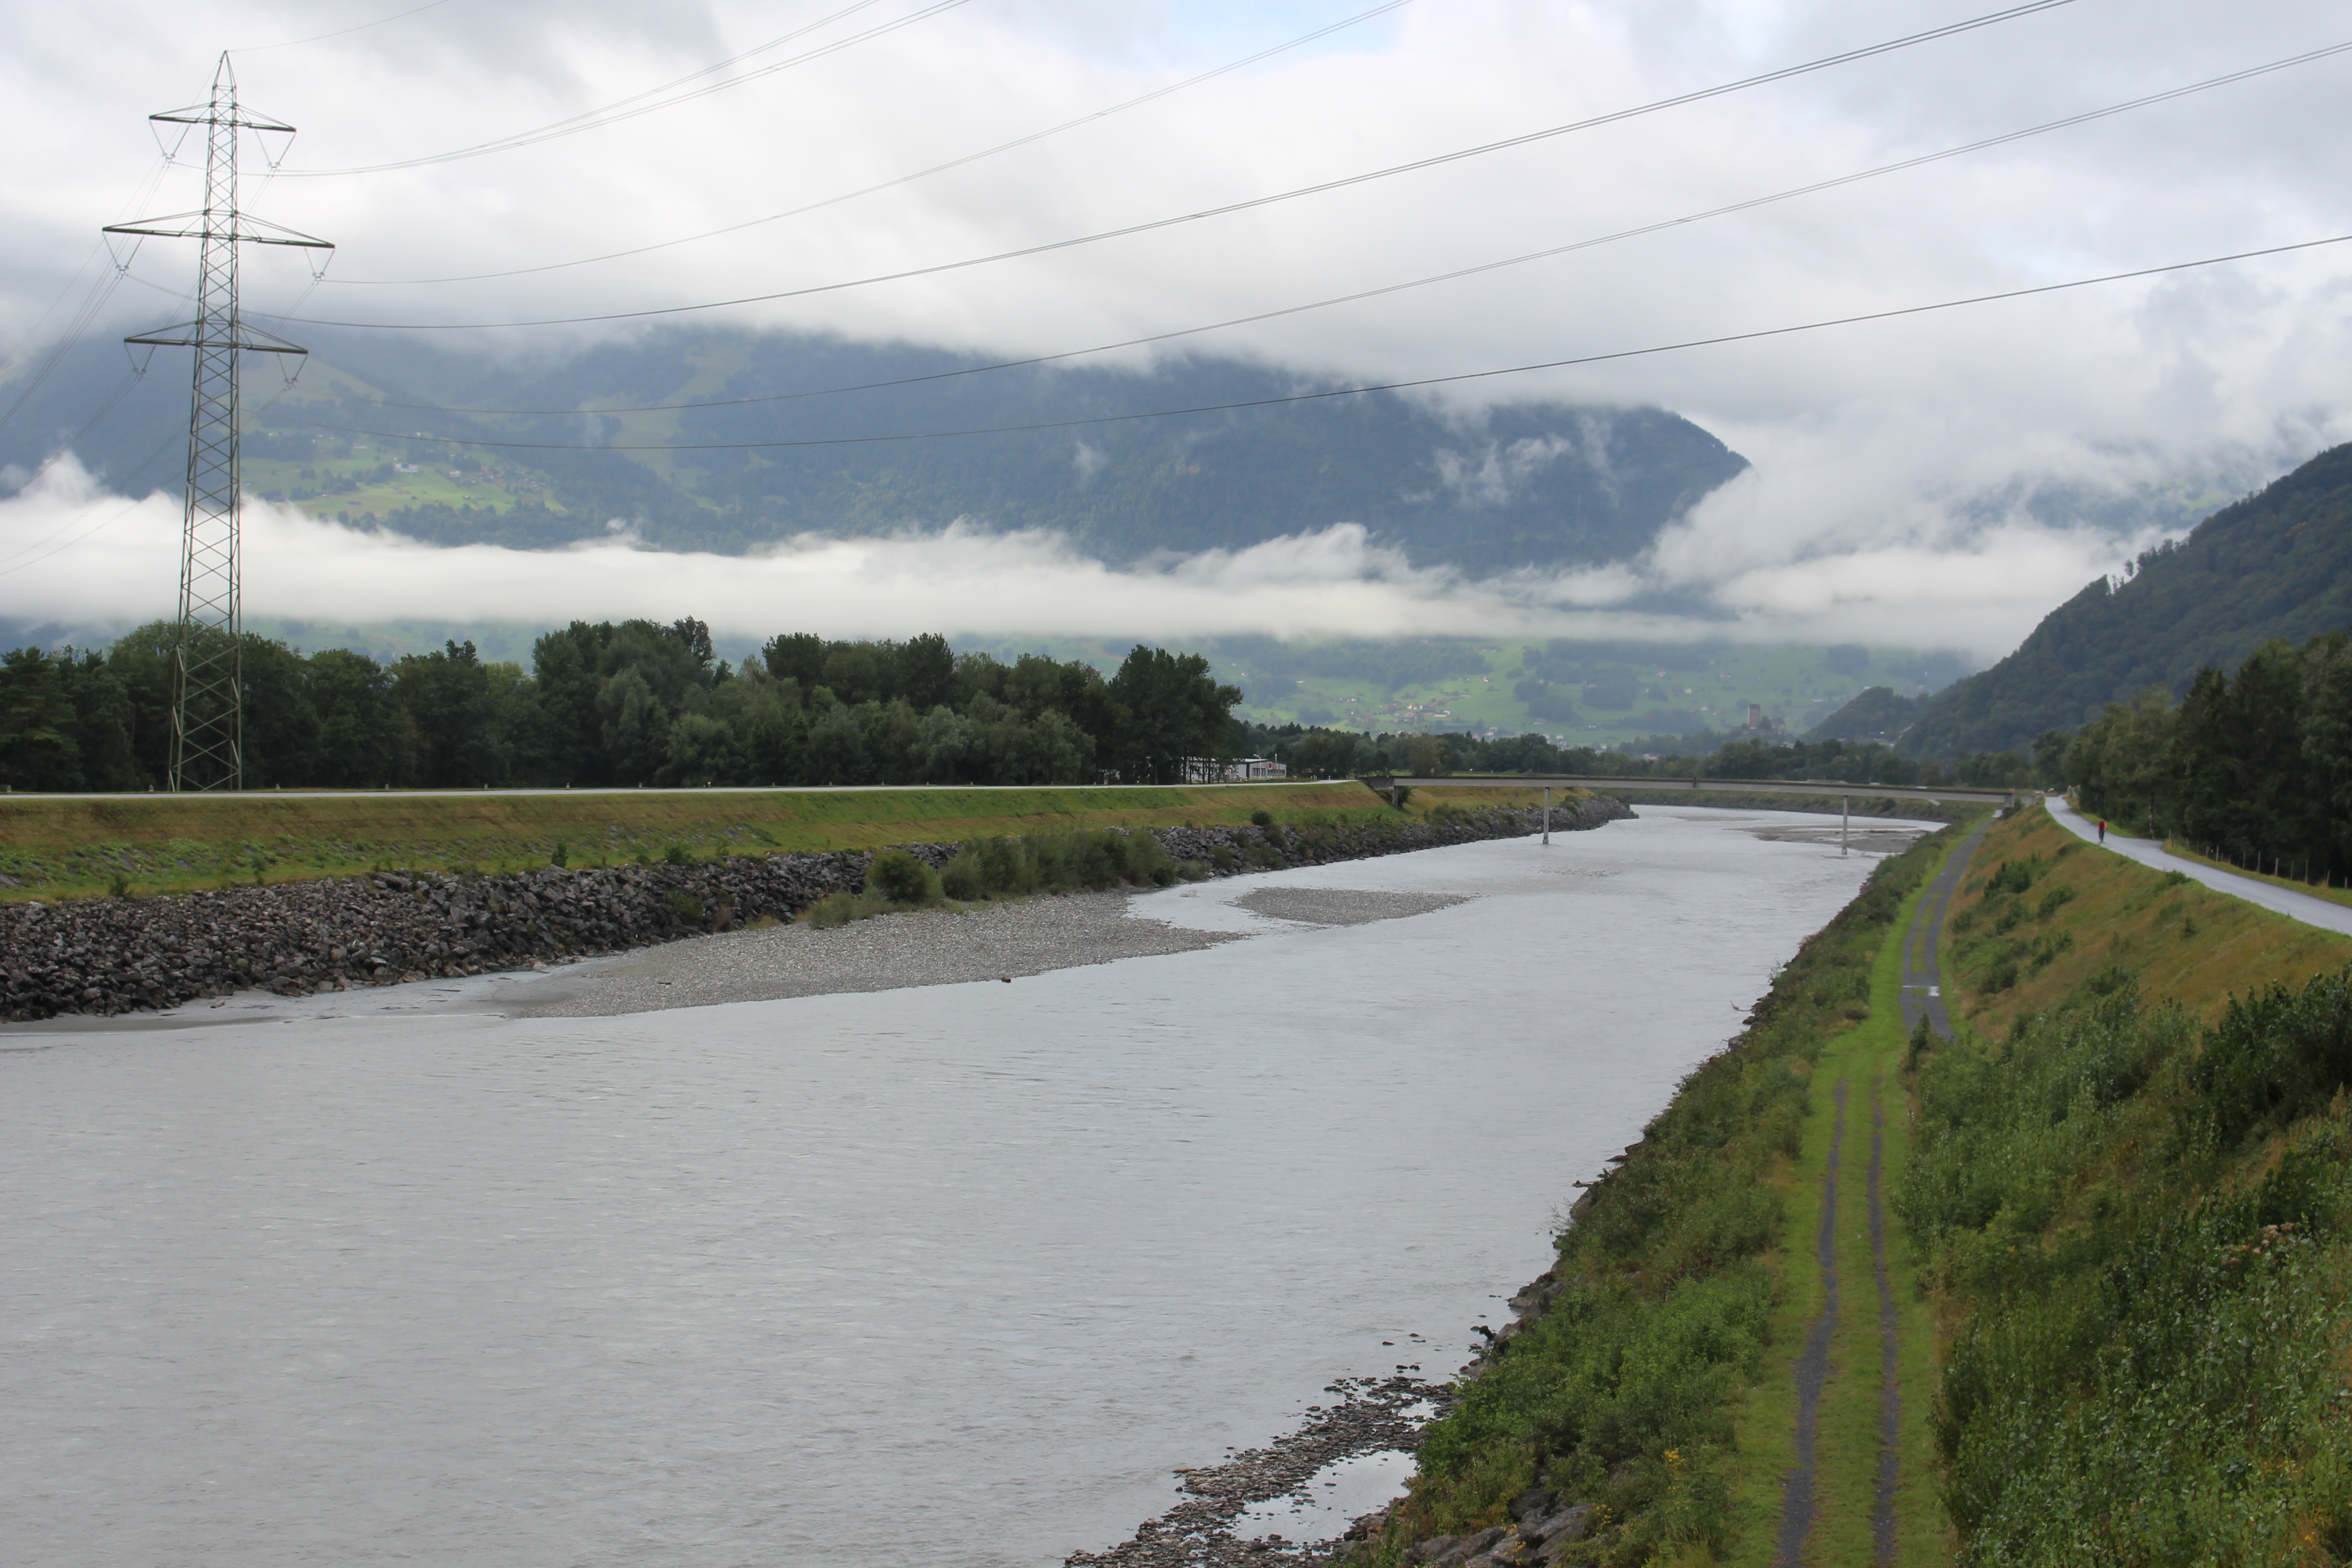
1922	997
1813	1368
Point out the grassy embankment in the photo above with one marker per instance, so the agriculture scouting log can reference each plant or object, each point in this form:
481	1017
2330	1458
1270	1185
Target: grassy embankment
73	848
2132	1198
2118	1216
163	844
2089	924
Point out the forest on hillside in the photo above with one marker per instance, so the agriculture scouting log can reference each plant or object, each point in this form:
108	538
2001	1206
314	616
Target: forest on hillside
787	433
2276	565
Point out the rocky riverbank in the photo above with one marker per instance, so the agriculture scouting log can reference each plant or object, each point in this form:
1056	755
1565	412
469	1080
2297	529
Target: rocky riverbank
104	956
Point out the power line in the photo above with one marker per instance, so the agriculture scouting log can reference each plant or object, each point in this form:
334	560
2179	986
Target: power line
1322	187
613	113
1761	332
1034	136
93	304
154	452
342	32
1661	226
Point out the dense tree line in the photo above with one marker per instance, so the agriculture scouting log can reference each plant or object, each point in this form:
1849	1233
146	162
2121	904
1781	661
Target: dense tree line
1332	754
634	703
2255	767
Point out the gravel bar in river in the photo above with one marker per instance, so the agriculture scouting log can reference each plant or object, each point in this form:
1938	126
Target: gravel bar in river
927	947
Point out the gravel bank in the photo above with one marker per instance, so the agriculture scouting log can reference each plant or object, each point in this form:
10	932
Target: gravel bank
927	947
1341	906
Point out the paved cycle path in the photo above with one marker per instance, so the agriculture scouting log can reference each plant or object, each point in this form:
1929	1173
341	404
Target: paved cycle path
2325	913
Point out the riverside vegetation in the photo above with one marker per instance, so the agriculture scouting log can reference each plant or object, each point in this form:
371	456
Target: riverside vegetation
2119	1236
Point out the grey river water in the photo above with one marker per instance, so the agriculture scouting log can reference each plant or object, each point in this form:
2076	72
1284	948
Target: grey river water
955	1275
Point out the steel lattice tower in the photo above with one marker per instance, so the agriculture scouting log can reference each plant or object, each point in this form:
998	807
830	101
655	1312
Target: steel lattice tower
207	673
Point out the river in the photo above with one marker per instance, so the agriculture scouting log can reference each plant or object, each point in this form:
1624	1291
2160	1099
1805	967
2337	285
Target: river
955	1275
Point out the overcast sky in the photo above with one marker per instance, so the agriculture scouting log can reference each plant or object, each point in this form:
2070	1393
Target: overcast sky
1891	459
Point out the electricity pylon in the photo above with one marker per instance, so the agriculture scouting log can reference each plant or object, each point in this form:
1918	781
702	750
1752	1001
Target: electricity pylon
207	659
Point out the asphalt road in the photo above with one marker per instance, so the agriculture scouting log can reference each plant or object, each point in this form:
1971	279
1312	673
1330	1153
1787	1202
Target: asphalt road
2325	913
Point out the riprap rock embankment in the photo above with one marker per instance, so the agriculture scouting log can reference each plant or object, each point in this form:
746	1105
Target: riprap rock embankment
116	955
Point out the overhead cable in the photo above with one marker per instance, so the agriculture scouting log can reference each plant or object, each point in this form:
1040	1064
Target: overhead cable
1322	187
342	32
93	304
1034	136
613	113
1747	204
1331	393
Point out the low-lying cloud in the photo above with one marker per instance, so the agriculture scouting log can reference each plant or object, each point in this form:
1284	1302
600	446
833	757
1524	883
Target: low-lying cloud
73	554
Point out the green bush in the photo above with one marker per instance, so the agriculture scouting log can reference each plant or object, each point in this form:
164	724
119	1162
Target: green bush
683	906
1196	871
897	876
1262	817
677	855
2109	980
963	878
561	855
2010	876
840	909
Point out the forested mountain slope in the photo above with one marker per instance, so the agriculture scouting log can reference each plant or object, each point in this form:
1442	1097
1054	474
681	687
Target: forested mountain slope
1879	713
1526	485
2275	565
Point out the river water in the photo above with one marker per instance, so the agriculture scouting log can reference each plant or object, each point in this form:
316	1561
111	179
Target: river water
956	1275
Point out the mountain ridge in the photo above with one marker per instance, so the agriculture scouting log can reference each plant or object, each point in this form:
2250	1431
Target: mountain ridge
2277	564
796	434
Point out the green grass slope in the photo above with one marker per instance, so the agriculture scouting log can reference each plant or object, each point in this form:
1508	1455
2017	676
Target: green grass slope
162	843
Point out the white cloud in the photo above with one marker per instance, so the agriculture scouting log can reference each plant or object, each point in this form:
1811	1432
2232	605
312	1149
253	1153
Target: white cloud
72	553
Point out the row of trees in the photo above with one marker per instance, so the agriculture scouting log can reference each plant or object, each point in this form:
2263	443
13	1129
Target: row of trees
642	703
634	703
2256	766
1339	753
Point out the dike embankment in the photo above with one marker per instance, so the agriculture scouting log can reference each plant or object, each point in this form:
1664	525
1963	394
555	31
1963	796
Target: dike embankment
1633	1412
105	956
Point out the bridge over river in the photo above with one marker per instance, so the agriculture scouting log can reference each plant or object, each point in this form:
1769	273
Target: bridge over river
1618	783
